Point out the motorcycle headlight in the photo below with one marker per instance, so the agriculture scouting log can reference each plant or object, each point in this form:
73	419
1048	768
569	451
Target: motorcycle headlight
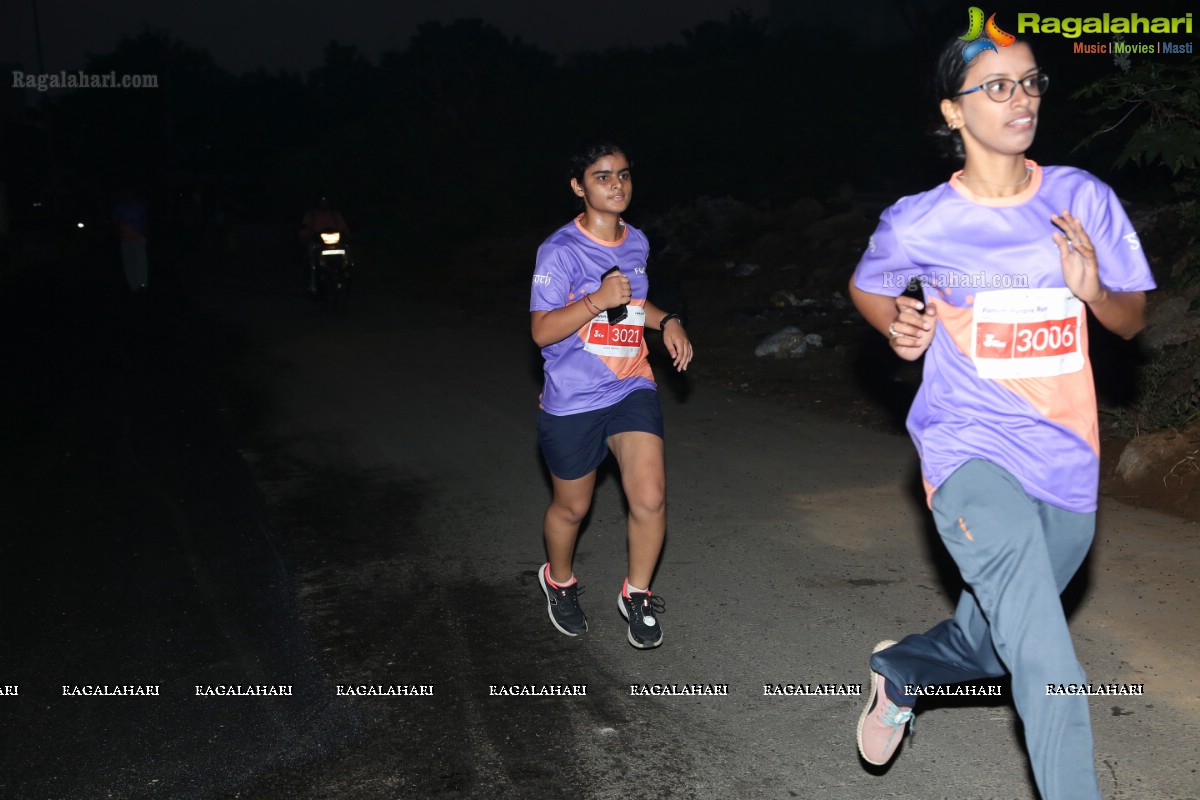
331	238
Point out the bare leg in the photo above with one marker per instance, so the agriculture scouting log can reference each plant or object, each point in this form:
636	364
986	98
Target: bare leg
568	507
643	476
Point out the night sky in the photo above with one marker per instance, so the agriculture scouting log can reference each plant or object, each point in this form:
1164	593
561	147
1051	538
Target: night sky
291	34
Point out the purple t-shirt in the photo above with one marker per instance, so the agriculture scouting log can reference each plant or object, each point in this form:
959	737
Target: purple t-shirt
1007	376
600	364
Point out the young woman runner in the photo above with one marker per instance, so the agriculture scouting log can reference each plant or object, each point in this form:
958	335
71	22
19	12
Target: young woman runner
589	315
1011	256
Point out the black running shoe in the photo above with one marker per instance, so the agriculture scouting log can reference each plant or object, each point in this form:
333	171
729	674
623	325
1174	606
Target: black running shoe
562	603
642	610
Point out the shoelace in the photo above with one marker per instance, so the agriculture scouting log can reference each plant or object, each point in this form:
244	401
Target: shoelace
653	602
565	593
892	715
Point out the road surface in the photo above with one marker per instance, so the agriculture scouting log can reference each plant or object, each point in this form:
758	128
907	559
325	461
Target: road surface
395	444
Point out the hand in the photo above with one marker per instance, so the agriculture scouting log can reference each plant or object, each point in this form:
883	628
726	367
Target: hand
678	345
1080	269
614	291
911	332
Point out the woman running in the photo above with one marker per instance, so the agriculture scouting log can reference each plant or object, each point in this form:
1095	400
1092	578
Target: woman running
1011	257
589	313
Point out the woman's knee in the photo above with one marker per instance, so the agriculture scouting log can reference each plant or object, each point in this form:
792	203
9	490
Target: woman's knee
1053	661
647	499
570	510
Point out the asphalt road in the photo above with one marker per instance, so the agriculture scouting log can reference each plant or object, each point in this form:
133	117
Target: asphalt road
388	501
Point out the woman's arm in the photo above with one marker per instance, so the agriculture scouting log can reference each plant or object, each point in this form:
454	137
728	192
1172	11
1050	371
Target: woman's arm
549	327
1123	313
674	336
909	331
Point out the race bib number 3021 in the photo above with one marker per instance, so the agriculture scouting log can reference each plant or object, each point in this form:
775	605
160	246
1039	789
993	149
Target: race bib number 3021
1027	333
623	340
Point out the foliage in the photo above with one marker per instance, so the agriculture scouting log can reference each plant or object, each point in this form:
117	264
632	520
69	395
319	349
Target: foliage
1161	102
464	130
1156	105
1167	396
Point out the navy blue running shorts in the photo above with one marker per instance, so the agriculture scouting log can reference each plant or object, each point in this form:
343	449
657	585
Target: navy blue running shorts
575	444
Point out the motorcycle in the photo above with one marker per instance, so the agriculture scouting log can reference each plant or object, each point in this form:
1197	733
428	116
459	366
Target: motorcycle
334	265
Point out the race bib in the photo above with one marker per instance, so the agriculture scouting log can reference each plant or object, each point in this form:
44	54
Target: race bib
1027	333
623	340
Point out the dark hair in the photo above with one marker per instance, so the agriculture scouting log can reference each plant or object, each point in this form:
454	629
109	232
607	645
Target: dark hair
589	153
949	73
948	77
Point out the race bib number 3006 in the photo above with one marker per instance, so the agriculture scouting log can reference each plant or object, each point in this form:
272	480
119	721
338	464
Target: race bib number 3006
1027	333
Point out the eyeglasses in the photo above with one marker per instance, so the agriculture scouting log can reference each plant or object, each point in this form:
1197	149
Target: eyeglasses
1002	89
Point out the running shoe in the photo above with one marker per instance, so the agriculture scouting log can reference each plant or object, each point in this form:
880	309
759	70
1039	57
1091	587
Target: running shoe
641	609
881	725
562	603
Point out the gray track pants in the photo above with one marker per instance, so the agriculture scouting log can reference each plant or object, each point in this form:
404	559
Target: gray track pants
1016	555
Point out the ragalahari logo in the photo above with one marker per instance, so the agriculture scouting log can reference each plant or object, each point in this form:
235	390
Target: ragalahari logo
977	28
